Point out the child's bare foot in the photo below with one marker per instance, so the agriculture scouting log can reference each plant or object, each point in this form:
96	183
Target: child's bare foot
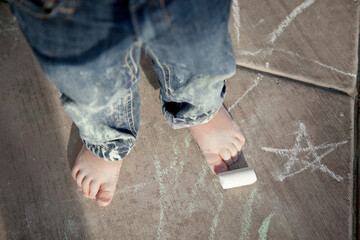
220	140
96	177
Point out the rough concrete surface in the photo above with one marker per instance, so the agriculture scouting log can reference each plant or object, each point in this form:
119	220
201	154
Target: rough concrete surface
299	141
311	41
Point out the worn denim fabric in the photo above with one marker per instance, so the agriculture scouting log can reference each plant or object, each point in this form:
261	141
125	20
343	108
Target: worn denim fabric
90	50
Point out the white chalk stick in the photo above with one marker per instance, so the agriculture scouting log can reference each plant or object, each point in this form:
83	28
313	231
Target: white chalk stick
237	178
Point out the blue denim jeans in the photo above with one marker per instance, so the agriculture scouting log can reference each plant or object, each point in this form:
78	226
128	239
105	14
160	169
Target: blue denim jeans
90	50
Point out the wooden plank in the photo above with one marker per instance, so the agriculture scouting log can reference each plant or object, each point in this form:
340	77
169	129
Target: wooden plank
311	41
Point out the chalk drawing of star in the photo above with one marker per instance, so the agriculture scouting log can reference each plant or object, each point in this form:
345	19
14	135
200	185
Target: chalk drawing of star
296	165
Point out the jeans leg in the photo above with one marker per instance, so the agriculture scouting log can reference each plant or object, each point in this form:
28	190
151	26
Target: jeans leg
88	49
192	58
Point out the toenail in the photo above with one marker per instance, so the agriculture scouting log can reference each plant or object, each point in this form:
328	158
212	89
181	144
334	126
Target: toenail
103	199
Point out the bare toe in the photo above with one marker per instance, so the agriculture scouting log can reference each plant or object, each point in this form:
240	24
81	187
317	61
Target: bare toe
241	138
86	186
226	156
94	189
74	172
104	197
236	142
221	167
215	162
235	158
80	177
233	150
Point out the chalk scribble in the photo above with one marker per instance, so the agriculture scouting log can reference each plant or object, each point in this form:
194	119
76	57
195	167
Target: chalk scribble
256	82
277	32
312	160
